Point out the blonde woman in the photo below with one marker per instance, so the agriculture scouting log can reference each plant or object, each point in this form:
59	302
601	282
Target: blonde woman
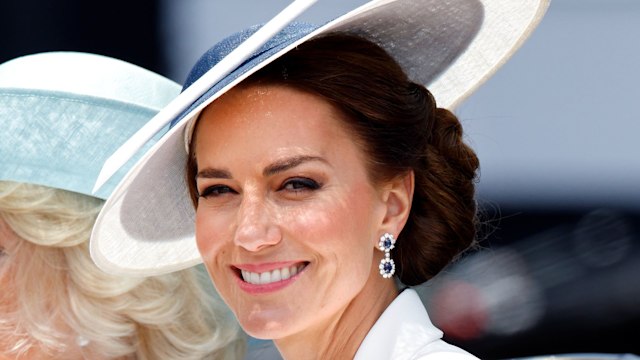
62	114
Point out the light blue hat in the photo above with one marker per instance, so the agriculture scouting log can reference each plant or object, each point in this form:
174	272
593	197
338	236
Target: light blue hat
63	113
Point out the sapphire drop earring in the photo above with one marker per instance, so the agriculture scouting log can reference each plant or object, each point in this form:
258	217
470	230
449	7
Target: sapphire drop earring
387	266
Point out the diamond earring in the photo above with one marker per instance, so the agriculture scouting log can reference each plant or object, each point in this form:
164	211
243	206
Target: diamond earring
387	266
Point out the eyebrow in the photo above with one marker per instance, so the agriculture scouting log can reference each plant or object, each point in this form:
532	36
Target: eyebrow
272	169
211	173
289	163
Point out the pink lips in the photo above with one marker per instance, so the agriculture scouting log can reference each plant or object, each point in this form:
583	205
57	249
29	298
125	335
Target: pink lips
268	277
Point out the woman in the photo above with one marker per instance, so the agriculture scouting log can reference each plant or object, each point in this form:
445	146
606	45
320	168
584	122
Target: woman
62	114
305	212
320	170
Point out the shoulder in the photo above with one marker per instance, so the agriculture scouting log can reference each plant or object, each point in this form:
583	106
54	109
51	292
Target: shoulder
440	350
405	332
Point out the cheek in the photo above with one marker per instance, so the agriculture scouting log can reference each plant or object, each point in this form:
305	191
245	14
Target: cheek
210	232
341	223
8	291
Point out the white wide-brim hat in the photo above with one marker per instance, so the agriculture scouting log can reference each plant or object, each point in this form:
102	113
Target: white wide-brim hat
451	46
62	114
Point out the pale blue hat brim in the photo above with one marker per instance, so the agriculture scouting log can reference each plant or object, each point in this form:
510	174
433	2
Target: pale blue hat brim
62	114
61	140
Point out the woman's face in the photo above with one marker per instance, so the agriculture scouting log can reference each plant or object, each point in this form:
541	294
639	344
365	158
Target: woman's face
287	220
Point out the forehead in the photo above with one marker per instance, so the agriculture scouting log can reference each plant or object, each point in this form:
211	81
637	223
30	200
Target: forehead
268	122
274	96
259	107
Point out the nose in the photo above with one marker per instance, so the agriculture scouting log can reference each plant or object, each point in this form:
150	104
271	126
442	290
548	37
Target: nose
256	228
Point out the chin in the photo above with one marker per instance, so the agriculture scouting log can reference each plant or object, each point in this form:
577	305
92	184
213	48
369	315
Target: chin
266	327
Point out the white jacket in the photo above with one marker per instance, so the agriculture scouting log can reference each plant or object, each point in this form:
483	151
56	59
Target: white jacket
405	332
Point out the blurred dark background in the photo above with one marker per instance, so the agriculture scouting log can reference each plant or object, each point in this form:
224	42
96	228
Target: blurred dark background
545	282
556	130
126	30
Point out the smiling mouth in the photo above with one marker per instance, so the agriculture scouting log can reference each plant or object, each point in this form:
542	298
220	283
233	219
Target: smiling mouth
272	276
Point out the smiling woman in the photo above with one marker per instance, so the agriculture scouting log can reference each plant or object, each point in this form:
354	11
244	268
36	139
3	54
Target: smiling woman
299	202
324	178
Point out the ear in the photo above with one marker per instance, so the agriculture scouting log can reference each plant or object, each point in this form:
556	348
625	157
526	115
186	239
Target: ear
397	197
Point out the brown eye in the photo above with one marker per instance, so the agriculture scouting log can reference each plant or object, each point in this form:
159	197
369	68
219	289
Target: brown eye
216	190
300	184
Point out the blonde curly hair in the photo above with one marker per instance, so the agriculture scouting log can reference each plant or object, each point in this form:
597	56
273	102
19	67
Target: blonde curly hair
55	301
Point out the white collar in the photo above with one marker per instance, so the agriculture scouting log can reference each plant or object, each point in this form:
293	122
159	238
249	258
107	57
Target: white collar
402	330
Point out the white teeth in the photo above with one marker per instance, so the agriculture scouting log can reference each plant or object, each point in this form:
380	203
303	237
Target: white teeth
254	278
285	273
275	275
271	276
265	278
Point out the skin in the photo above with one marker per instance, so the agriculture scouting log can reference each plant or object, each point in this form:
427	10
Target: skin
282	183
8	239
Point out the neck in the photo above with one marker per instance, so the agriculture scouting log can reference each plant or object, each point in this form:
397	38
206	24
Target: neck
340	336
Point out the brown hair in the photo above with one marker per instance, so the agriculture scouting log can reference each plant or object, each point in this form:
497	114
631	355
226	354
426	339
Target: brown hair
400	129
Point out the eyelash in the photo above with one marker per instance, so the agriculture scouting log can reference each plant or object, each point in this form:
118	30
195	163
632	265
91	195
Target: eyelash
216	190
307	184
298	184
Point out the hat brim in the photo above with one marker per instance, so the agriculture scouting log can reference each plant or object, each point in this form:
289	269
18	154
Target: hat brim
61	140
146	227
64	113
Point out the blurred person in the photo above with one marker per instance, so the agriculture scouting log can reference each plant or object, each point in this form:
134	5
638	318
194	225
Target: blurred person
62	114
319	172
